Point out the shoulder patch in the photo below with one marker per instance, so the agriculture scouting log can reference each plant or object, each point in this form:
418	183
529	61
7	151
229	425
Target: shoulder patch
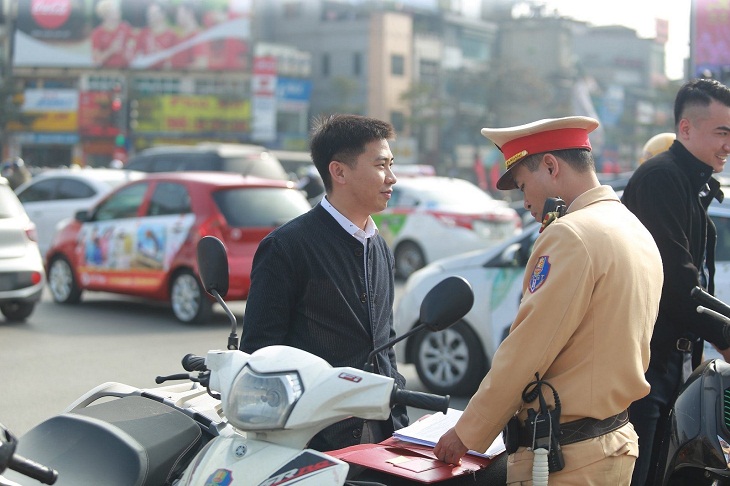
539	273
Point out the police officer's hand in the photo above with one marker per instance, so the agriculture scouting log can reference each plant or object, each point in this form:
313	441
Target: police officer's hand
450	449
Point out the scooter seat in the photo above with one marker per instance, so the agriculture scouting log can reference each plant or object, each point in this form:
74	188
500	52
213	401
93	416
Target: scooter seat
127	441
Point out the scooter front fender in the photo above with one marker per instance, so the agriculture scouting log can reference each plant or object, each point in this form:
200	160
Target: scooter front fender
234	459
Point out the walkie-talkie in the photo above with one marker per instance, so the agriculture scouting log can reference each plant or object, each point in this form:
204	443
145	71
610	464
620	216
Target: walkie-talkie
545	423
554	204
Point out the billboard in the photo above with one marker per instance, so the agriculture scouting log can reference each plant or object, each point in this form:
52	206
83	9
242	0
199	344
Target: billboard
133	34
710	37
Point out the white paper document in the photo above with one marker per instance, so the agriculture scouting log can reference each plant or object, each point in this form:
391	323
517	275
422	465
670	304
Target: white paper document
429	430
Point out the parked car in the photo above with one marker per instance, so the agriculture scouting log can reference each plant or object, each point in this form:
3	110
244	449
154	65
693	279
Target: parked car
22	275
244	159
454	361
434	217
57	194
141	239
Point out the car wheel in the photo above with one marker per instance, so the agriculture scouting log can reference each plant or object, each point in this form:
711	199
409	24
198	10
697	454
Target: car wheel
451	361
408	258
190	303
62	283
17	311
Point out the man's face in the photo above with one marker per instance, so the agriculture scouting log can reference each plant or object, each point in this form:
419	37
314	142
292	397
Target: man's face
534	186
705	132
370	181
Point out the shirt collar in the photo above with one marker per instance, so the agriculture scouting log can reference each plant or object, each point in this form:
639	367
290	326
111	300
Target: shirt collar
698	172
370	228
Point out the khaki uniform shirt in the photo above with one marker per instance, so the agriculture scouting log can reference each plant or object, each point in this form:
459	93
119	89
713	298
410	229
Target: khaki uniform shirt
590	298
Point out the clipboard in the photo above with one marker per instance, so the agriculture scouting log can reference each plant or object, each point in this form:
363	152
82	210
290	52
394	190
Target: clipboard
408	460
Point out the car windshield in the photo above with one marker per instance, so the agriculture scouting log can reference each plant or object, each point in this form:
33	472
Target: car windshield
9	204
260	207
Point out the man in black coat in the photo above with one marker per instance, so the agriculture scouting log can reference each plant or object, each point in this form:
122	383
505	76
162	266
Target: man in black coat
670	194
324	282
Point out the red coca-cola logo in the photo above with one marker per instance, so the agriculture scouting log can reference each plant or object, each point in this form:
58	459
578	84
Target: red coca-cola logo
50	14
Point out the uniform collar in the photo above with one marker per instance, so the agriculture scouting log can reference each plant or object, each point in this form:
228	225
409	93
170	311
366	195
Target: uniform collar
600	193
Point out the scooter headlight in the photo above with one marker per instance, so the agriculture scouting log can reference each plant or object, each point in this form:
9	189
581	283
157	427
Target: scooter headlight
262	401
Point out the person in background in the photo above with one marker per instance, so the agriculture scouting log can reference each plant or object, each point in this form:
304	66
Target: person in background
670	194
656	144
324	282
590	297
15	171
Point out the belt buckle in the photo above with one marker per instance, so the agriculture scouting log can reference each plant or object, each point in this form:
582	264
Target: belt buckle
684	345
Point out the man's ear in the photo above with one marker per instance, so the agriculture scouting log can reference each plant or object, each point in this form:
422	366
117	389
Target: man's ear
337	172
551	164
683	129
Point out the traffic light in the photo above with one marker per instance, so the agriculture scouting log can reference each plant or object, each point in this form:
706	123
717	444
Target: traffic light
116	106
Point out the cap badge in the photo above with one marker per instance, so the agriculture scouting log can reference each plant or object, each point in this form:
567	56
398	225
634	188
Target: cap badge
509	162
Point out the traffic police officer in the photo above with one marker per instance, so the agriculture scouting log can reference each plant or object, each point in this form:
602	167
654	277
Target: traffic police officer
591	295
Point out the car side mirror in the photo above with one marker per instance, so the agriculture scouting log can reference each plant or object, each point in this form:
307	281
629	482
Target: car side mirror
82	216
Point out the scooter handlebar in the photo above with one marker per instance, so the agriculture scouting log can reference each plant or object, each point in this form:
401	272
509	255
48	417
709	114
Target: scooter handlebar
193	363
32	469
710	301
426	401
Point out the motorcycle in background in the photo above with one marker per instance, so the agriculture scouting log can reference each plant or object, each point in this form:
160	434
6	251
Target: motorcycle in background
696	448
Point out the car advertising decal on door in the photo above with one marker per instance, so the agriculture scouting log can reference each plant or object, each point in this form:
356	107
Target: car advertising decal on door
131	252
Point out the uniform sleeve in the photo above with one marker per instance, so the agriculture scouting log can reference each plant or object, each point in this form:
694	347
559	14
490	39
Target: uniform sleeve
271	297
556	293
661	205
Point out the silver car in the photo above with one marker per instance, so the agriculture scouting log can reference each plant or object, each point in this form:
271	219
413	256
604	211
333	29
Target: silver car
21	267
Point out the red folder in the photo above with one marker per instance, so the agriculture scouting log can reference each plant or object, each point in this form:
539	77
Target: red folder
405	459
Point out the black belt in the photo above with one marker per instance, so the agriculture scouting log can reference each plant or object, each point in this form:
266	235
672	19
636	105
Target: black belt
578	430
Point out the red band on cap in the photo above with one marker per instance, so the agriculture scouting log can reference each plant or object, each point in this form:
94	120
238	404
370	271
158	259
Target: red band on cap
560	139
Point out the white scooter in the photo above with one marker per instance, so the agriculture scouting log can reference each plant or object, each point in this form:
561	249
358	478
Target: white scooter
273	402
115	435
277	398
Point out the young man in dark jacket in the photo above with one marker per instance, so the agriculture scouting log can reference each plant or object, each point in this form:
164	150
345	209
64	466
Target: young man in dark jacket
670	194
324	281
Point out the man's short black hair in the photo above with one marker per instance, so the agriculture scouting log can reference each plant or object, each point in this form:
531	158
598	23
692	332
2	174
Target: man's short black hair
342	138
699	92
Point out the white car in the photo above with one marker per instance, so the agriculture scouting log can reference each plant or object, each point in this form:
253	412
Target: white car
454	361
57	194
22	275
431	217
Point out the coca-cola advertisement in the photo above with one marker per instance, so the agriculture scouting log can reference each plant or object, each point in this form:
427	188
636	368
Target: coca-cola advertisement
134	34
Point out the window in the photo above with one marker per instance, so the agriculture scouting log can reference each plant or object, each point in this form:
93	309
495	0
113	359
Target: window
73	189
169	198
357	64
41	191
722	250
260	207
398	120
123	204
325	64
292	10
397	65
